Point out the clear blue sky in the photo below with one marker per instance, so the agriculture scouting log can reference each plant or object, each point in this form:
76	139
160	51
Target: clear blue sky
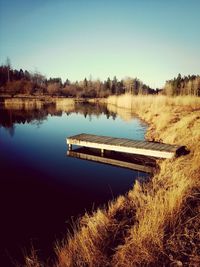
153	40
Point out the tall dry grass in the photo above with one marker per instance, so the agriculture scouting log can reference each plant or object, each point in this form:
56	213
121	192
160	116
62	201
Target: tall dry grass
65	104
20	103
62	104
156	223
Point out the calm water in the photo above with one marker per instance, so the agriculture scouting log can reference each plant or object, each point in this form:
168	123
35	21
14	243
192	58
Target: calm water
42	189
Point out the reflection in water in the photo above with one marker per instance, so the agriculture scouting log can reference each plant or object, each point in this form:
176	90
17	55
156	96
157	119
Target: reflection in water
36	111
124	114
124	160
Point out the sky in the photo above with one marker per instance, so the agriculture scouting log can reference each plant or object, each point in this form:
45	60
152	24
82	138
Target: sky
153	40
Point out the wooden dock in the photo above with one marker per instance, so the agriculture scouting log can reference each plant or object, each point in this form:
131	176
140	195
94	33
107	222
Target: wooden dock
117	159
146	148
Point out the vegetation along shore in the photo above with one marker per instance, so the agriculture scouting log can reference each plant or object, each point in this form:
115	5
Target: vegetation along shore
156	223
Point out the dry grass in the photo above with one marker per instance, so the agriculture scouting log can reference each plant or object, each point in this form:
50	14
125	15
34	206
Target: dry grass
157	223
62	104
19	103
65	104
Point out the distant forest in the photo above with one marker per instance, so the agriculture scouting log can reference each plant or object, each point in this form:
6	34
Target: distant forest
187	85
20	82
13	82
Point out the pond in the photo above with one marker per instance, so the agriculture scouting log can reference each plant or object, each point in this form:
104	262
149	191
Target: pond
42	190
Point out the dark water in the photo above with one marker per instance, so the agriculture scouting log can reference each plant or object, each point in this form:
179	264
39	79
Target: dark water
42	189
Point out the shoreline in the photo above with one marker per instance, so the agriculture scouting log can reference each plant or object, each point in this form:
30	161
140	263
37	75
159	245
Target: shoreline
47	97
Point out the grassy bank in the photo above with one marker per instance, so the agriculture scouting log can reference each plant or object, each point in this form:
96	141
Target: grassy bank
156	223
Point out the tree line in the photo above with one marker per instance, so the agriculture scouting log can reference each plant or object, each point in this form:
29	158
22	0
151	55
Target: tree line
15	82
187	85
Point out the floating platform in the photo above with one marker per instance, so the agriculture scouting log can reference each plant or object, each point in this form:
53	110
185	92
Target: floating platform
145	148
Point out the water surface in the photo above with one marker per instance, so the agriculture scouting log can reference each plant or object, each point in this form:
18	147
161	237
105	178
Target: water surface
42	190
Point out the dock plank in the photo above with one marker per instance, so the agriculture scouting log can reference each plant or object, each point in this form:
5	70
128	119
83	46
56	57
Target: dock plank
146	148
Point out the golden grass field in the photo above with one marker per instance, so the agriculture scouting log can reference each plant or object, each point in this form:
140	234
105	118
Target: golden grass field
156	223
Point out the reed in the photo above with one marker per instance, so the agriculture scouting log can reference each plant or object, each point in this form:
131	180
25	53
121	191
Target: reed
20	103
65	104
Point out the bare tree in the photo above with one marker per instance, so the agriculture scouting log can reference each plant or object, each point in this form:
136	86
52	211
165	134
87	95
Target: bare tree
128	84
38	78
8	66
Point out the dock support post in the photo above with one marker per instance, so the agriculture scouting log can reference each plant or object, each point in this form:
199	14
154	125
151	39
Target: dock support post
70	146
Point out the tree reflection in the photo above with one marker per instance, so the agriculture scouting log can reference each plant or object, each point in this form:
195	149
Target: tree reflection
20	111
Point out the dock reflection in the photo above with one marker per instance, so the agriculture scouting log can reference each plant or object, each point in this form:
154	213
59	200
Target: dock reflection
123	160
